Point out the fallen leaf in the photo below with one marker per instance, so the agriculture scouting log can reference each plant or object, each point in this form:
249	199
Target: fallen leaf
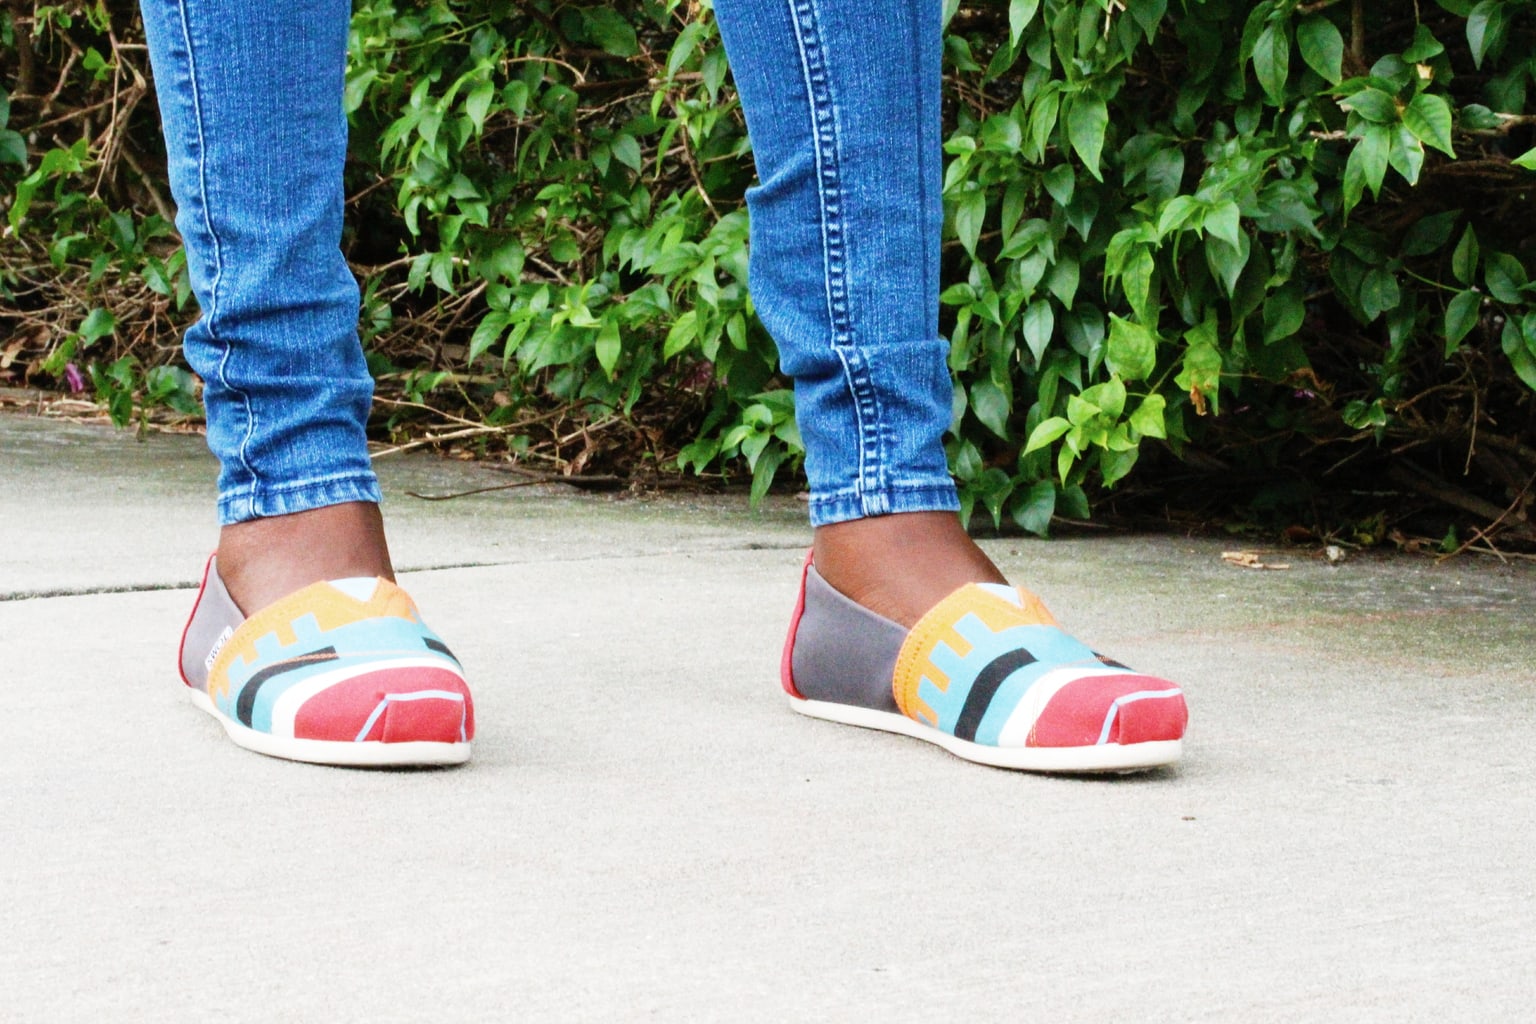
1250	560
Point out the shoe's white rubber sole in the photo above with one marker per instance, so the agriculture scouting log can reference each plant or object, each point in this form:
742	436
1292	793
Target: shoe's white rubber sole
1106	757
368	754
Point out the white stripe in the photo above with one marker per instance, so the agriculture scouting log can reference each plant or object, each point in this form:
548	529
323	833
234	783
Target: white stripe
287	707
1131	698
1015	732
358	588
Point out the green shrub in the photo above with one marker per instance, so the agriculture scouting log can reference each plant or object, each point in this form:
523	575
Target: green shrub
1260	229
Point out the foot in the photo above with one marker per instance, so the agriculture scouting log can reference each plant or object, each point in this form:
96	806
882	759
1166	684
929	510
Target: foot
900	566
342	672
264	560
302	647
987	674
904	625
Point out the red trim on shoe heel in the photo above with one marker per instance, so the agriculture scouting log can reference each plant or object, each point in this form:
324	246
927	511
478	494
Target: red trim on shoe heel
786	665
181	648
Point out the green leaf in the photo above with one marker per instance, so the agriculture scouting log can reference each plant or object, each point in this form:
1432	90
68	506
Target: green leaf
1461	315
1367	166
1201	371
1468	254
1527	161
990	404
97	324
1365	415
1039	326
684	331
687	41
970	211
1132	351
1225	222
1374	105
1379	292
1284	314
1176	214
1047	433
13	148
764	469
1429	118
1477	118
1322	47
479	102
1406	155
626	151
1226	263
1115	465
1060	182
1424	46
1485	29
1137	281
1087	122
487	333
1272	60
1020	14
1148	419
609	346
1034	512
1063	279
1430	234
1516	346
612	31
1107	397
1505	276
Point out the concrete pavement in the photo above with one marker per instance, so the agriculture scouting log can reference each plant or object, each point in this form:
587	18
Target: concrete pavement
646	833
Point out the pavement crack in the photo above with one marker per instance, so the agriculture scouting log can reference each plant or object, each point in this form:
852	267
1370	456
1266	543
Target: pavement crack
191	583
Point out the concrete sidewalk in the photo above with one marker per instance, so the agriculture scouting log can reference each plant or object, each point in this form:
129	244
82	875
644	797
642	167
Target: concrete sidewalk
647	833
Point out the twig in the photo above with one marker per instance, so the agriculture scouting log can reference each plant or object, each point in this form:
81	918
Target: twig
599	482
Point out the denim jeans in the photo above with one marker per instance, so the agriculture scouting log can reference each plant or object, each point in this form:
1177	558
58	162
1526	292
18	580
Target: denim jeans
842	102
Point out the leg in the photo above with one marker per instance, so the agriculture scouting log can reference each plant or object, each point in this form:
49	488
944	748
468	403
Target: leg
842	100
250	97
299	644
903	623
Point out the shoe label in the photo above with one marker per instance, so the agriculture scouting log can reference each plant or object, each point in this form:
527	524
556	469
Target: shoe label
218	645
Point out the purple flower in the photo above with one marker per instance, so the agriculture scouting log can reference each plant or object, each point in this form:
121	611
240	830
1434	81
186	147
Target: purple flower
73	377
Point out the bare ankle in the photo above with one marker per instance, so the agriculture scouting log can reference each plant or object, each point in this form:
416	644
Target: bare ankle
263	560
900	566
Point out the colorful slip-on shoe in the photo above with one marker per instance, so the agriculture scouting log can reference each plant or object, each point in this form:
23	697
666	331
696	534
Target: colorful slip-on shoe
987	674
342	673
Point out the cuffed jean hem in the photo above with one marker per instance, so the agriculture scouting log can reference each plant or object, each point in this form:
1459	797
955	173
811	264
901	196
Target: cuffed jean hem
248	503
855	504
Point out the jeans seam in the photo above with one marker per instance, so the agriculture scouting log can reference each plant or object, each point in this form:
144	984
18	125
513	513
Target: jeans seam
924	156
824	132
211	315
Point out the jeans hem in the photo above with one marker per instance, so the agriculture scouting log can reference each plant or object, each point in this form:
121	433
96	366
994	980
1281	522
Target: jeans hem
249	503
861	504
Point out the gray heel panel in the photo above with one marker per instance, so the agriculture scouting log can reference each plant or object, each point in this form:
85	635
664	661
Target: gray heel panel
843	652
215	616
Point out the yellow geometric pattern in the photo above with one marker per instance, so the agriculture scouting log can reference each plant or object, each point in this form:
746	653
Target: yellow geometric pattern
331	609
938	627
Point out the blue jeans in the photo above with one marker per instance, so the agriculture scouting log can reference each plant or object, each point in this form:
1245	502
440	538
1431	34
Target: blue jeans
842	102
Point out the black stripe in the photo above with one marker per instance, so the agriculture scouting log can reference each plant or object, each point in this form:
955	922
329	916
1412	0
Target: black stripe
438	646
985	688
246	705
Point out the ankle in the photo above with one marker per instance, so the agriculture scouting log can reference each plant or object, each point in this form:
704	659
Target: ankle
263	560
900	566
